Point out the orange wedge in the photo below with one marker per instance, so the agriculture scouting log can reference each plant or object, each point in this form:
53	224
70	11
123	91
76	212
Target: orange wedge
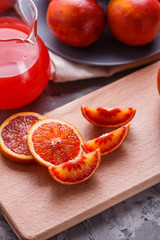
13	136
107	142
108	117
52	142
77	170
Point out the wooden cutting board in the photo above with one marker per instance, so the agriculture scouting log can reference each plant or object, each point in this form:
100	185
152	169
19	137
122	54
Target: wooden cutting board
37	207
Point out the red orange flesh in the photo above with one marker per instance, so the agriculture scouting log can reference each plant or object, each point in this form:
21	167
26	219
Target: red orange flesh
77	170
108	117
107	142
13	136
52	142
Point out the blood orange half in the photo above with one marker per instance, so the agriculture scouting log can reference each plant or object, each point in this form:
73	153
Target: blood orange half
53	141
13	136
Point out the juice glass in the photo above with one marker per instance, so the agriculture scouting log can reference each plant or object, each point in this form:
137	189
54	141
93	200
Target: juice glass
24	59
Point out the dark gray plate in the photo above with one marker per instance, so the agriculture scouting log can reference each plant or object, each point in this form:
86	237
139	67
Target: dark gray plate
106	51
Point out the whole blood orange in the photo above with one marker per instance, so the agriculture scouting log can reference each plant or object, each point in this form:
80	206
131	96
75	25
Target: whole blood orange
76	23
52	142
134	22
108	117
107	142
77	170
13	136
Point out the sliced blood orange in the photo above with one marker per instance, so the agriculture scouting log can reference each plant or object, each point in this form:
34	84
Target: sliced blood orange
108	117
52	141
13	136
77	170
107	142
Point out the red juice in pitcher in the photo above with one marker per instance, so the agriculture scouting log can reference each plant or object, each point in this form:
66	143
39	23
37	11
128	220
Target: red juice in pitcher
24	67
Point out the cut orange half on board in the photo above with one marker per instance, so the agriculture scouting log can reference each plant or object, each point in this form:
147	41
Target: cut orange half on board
107	142
108	117
52	142
77	170
13	136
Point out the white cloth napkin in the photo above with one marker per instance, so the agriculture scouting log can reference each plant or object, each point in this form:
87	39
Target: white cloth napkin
64	70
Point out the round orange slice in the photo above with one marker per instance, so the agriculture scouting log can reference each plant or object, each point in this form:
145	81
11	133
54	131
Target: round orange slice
13	136
108	117
77	170
107	142
52	142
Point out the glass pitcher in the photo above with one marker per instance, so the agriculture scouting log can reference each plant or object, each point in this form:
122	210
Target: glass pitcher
24	59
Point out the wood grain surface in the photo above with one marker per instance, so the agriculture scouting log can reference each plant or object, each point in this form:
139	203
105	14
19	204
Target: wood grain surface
37	207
